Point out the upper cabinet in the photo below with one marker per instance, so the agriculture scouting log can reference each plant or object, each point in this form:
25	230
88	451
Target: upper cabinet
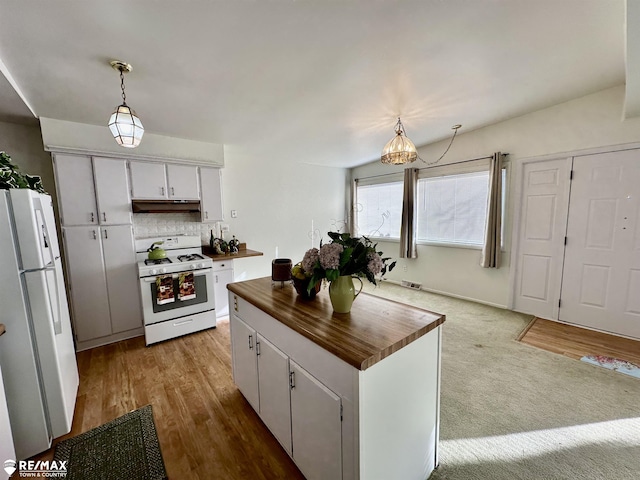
92	191
159	181
211	194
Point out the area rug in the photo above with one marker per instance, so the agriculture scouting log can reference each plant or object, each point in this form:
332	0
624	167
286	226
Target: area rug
125	448
611	363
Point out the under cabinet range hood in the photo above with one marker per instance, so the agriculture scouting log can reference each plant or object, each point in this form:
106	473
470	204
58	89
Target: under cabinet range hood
165	206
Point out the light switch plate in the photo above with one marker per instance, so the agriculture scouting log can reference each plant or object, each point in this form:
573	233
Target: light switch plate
234	213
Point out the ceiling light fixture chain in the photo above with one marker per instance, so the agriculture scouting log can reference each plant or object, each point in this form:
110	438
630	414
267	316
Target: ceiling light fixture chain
124	95
455	132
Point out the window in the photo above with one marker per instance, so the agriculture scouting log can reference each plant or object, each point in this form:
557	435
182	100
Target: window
379	209
453	209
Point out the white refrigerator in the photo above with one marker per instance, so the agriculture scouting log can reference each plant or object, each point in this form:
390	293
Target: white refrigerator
37	354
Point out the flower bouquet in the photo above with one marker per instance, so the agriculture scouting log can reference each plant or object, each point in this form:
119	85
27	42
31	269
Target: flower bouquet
346	257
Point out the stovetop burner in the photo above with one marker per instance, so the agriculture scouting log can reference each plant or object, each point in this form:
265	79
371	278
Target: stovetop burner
158	261
190	257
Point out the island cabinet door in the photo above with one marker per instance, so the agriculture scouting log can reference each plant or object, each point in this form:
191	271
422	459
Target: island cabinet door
275	404
245	360
316	426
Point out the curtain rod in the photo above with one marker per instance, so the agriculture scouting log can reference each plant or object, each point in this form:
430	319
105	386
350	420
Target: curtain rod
432	166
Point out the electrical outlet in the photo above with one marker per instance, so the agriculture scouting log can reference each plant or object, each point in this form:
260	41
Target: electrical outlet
404	268
234	214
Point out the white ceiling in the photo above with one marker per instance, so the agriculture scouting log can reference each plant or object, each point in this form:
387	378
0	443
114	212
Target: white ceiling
311	81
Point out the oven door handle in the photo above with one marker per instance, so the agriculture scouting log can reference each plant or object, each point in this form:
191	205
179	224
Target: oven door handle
196	273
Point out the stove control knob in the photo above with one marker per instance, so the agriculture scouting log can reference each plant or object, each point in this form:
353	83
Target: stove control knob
164	270
192	266
201	265
153	271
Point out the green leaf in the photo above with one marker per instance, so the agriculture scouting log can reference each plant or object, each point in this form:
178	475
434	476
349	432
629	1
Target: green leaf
332	274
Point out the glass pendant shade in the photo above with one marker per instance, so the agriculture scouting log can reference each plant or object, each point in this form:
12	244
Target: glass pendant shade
126	127
399	149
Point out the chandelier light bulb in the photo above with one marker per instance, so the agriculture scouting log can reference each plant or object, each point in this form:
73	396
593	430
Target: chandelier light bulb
124	124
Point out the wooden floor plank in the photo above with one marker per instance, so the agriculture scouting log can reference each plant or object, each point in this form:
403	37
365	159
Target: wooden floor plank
576	342
205	426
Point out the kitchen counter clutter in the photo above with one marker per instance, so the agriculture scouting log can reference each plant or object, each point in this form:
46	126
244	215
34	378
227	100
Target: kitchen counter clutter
243	252
348	396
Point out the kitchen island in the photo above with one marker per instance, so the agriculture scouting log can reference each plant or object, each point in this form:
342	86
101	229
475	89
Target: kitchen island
348	396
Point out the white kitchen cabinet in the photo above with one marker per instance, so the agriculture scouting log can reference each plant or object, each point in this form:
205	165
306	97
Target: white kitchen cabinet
148	180
183	182
87	282
245	361
304	415
103	283
112	191
316	427
211	194
75	189
222	276
273	383
92	191
161	181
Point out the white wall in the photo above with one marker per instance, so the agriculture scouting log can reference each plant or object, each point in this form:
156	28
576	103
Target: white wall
588	122
276	203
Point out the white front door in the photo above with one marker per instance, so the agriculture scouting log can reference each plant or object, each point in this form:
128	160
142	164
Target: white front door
544	199
601	278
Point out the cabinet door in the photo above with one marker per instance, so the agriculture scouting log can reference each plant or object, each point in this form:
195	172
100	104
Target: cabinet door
221	279
316	426
88	285
273	381
183	182
148	180
245	360
122	277
211	194
76	194
112	191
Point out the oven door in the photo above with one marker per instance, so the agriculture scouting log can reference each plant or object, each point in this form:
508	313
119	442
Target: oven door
155	311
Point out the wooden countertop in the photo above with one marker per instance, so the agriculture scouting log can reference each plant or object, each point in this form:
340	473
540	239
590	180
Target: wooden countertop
2	329
374	329
242	253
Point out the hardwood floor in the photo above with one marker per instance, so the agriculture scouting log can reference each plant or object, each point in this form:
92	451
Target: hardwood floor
205	426
577	342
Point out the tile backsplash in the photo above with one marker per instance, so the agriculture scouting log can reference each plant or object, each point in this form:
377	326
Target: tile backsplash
160	224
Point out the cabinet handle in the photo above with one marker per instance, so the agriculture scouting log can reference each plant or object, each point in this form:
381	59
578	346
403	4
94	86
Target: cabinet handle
216	278
162	191
106	235
104	216
292	379
250	342
257	348
95	236
235	303
172	192
92	217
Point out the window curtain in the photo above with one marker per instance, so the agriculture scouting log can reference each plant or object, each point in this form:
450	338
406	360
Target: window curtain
353	221
493	226
408	227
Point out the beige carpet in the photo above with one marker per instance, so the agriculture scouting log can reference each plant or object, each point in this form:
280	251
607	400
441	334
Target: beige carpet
510	411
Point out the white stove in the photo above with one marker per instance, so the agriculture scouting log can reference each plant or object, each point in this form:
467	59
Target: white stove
177	291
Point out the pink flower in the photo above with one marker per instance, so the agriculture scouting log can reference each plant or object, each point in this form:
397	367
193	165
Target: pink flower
330	255
310	259
375	263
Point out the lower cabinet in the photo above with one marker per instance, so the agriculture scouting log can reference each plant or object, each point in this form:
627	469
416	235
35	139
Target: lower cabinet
303	414
222	276
105	301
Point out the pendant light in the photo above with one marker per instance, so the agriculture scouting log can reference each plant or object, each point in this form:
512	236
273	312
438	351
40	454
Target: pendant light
124	124
400	149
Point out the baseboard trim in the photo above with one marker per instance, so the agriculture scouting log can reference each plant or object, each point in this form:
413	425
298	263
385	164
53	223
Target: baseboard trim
453	295
99	342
